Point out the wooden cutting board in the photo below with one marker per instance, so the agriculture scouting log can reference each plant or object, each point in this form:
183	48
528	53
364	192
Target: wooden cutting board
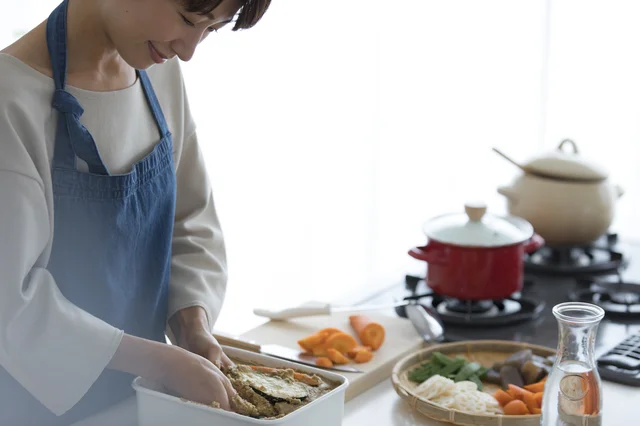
400	340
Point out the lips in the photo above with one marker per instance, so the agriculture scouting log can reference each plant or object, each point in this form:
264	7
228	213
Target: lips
157	57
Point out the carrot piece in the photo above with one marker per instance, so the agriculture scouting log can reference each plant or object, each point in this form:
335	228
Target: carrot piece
324	362
330	331
343	342
536	411
517	392
536	387
502	397
530	400
353	352
320	350
336	357
301	377
516	408
313	340
538	396
370	332
363	356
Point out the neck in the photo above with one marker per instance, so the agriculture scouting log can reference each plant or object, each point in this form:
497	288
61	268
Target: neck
92	57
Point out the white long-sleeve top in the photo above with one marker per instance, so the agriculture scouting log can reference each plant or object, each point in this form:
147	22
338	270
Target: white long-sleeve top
54	349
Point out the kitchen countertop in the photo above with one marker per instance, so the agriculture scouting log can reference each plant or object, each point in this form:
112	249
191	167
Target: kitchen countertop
382	406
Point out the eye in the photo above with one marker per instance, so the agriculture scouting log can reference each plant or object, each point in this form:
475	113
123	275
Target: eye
186	21
212	30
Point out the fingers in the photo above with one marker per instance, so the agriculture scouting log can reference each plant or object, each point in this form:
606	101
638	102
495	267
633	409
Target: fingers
226	362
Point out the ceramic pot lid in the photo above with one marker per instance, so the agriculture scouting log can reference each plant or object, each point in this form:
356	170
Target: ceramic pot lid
560	164
476	228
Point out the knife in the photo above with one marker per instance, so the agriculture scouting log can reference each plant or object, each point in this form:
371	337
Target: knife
322	309
278	351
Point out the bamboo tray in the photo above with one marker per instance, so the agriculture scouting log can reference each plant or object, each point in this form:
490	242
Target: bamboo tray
485	352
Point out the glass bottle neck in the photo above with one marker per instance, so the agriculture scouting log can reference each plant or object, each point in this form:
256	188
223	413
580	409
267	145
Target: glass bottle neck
577	343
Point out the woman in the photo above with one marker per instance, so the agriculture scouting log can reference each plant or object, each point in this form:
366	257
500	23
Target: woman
108	231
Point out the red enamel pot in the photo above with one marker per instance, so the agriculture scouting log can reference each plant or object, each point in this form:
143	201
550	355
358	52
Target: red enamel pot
475	255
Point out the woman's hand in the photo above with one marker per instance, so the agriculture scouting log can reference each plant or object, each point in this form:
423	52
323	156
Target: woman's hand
202	343
196	378
190	328
189	375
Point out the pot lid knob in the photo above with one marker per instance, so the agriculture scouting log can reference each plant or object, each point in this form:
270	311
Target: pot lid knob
475	211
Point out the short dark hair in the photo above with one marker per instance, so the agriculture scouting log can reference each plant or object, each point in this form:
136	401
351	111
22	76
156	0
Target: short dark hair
248	15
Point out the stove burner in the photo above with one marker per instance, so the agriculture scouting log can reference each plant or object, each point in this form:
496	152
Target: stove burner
468	306
480	314
619	299
575	260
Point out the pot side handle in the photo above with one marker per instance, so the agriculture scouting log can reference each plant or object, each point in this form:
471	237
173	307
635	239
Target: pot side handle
534	244
428	254
619	191
507	192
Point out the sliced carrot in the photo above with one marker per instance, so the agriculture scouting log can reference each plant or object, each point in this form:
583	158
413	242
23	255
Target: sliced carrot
353	352
530	400
536	387
324	362
536	411
342	342
330	330
336	357
370	332
320	350
502	397
517	392
516	408
538	396
363	356
313	340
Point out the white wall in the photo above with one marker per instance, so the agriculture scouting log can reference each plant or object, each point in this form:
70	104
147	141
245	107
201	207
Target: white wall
333	129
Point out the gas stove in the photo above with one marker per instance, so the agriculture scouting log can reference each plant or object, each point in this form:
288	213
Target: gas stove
601	273
602	257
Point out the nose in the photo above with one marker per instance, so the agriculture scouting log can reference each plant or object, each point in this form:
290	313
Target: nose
185	46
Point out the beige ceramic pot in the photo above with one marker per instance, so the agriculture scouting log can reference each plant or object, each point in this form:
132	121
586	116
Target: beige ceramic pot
568	200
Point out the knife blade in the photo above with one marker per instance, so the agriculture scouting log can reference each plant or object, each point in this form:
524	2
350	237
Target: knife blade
279	351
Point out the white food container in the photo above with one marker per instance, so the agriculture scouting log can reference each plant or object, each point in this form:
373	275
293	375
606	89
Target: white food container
157	408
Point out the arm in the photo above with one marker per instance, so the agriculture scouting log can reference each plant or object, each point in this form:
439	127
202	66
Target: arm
198	274
47	341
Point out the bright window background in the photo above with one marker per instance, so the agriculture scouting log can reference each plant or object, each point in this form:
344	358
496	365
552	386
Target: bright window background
333	130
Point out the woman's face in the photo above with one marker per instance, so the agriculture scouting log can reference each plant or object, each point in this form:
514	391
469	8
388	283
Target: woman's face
145	32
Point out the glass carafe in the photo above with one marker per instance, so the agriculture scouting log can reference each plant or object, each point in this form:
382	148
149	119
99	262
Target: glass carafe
572	395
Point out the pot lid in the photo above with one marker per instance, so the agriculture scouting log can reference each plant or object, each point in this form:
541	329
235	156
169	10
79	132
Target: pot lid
476	228
560	164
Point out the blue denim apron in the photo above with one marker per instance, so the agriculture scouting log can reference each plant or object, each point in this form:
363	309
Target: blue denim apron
111	250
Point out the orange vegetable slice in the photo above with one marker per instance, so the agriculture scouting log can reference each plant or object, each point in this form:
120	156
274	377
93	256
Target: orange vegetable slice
353	352
502	397
342	342
324	362
516	408
363	356
370	332
336	356
309	342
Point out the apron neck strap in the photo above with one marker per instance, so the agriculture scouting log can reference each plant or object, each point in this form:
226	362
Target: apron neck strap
57	32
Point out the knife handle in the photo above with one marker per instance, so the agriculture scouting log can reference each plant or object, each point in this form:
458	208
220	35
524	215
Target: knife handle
302	311
236	342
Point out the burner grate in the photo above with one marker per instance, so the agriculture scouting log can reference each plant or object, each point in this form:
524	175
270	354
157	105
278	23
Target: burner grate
486	313
598	258
616	298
